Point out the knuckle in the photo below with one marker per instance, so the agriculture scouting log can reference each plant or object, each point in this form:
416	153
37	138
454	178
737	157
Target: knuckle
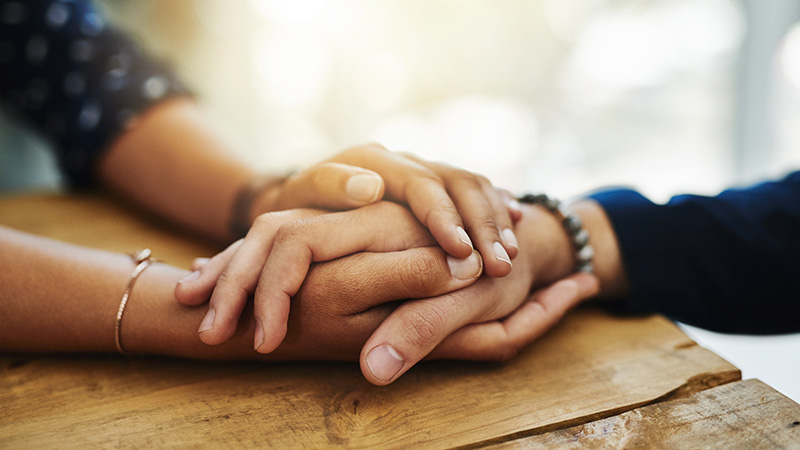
289	232
424	326
264	221
482	180
407	155
235	283
487	225
319	177
466	177
228	278
419	276
423	176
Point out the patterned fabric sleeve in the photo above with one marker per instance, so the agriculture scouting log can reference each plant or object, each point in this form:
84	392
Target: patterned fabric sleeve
77	80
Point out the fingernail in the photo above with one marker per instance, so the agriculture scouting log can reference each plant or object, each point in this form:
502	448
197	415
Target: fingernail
364	188
208	321
510	238
384	362
464	237
500	253
465	269
190	278
259	337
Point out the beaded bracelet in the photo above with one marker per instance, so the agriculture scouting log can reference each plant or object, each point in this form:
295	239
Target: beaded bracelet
584	253
142	259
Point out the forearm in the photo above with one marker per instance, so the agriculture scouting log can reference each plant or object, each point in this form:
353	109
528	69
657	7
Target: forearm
62	298
174	163
58	297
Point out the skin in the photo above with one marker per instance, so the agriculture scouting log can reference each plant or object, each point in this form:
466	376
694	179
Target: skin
174	163
56	297
460	321
334	314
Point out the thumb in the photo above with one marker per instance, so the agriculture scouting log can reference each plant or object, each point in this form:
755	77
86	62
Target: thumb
332	185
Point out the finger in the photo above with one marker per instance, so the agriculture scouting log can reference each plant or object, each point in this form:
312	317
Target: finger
332	185
502	216
365	280
195	288
233	286
424	192
500	340
414	329
480	222
484	216
323	238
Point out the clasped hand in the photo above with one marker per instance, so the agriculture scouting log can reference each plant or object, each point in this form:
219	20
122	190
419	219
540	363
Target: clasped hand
382	283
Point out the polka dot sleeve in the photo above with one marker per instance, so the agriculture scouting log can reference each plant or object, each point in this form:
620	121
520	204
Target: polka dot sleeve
79	81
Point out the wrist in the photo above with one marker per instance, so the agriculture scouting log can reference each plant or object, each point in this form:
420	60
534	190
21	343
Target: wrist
608	261
257	197
157	324
553	253
544	238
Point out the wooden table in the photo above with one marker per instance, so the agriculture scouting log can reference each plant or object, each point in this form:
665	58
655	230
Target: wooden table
595	381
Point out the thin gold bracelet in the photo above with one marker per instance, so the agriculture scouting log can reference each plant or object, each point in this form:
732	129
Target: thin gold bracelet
142	259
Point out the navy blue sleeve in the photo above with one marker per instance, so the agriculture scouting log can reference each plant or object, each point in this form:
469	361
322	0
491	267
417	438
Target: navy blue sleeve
729	263
74	78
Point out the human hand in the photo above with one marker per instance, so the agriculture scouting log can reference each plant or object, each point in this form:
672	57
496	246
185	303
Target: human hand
490	319
343	303
457	206
271	263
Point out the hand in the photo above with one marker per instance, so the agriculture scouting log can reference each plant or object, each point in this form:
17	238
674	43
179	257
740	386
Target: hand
342	302
439	195
321	329
490	319
271	262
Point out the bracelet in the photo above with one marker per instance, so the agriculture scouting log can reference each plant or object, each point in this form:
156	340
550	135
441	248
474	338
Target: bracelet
584	253
142	259
243	204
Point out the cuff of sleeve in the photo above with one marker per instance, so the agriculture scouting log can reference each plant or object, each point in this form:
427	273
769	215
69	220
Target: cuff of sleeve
640	227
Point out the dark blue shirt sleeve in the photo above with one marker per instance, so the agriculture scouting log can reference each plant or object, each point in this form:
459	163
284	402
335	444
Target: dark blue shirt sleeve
74	78
727	263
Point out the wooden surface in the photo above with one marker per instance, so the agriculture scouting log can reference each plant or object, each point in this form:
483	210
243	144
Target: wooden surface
591	367
747	415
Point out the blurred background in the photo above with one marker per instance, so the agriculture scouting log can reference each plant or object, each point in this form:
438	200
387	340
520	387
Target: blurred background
667	96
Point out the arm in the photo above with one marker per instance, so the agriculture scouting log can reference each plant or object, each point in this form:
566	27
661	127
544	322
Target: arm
58	297
118	116
725	263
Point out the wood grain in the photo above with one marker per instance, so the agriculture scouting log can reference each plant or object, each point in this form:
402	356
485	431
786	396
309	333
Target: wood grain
590	367
743	415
